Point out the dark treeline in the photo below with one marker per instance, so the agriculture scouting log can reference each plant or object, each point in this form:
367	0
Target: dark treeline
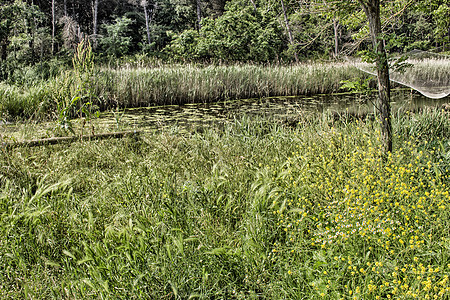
35	32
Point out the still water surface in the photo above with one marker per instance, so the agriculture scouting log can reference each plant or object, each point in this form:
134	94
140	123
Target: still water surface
277	108
193	116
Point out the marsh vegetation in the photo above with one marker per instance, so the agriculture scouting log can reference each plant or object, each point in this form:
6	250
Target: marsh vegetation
251	210
233	189
170	84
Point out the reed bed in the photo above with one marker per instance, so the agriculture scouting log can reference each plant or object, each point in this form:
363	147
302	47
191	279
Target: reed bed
192	84
173	84
430	76
251	210
428	73
24	102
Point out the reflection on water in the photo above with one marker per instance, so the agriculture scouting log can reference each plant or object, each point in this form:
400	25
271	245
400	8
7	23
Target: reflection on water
278	108
193	116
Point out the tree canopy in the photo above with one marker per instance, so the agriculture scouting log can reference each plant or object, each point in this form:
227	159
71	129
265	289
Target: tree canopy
225	30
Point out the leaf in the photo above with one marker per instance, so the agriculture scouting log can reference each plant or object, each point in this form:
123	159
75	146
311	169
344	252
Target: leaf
69	254
51	263
138	278
89	283
84	260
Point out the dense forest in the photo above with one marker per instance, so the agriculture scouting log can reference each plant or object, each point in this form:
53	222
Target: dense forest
130	169
35	32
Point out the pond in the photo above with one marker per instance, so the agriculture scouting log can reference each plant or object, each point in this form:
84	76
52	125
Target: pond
193	116
277	108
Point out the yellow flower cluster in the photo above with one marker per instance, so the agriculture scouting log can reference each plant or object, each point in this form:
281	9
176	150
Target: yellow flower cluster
387	215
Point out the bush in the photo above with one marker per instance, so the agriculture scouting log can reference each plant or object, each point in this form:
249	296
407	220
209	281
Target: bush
223	38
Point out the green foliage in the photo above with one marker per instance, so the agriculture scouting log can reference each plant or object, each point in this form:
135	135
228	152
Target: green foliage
314	34
20	36
223	39
442	21
398	64
232	30
80	100
247	211
19	103
116	40
354	223
171	84
356	86
184	45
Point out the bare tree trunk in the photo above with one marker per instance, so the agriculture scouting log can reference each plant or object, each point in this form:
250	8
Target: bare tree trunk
65	8
254	5
291	38
336	37
53	26
199	14
372	11
218	7
144	4
30	26
94	20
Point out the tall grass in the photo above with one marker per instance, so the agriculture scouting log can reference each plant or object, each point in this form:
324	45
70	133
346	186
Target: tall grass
25	102
189	84
175	84
246	211
430	76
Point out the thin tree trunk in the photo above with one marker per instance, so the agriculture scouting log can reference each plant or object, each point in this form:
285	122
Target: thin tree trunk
53	26
94	20
29	25
65	8
336	37
254	5
372	11
199	14
291	38
147	22
31	43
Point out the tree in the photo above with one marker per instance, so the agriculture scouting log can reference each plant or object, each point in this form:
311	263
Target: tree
144	4
442	21
288	28
372	10
94	21
8	14
116	41
53	26
223	39
199	14
18	19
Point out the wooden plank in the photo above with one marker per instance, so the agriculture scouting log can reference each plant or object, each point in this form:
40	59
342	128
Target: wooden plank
57	140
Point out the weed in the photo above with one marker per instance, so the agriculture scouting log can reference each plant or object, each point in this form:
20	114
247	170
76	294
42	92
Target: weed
254	209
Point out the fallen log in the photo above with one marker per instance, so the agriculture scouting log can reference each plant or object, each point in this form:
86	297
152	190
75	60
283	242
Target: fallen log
57	140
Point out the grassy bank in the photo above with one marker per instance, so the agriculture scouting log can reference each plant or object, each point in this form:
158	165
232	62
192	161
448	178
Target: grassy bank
171	84
250	210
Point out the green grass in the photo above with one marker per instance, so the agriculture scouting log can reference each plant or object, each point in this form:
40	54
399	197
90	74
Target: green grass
171	84
247	211
180	84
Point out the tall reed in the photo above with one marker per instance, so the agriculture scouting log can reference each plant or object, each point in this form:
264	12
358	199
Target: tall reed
190	84
176	84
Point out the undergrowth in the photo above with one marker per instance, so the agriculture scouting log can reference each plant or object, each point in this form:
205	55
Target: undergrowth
251	210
